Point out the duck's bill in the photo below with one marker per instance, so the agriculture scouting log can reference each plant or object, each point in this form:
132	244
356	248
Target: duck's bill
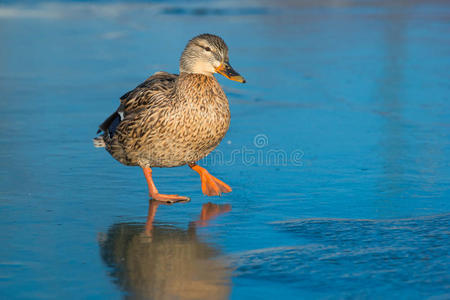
226	70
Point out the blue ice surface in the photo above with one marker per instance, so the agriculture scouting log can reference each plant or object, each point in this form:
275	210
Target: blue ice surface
338	153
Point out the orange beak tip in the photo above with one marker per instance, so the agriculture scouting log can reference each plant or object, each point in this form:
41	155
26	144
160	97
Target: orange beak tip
226	70
237	78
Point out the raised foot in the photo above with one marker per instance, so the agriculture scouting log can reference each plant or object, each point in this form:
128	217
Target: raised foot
211	186
170	198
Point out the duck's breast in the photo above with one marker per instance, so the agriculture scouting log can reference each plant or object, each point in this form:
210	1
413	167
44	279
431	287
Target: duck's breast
193	126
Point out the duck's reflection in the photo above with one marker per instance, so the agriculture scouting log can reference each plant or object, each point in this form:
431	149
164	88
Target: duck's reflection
164	262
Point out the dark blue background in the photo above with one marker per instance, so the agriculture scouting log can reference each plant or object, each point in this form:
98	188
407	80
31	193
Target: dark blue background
359	88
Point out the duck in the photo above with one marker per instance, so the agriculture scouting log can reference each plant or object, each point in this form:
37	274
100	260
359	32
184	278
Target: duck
172	120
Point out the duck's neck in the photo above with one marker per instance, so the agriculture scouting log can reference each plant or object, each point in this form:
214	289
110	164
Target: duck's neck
194	86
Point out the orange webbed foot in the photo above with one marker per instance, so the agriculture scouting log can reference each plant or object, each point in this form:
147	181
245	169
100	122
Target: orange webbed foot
211	186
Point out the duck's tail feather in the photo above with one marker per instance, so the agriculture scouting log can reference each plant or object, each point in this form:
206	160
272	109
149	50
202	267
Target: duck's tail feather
99	142
109	127
110	124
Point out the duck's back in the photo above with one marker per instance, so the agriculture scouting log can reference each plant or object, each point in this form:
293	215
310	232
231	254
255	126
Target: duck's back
156	88
168	121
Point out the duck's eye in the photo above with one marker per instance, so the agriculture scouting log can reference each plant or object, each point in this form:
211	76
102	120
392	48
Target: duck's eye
207	49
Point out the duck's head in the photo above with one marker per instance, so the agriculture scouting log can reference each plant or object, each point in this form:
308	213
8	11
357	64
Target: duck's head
208	54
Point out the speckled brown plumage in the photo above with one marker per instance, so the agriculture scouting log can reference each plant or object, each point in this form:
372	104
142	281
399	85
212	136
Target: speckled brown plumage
171	120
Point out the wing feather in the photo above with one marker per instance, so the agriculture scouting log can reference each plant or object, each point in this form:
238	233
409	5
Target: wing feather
139	99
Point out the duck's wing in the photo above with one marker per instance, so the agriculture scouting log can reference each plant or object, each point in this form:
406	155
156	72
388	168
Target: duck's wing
143	95
139	99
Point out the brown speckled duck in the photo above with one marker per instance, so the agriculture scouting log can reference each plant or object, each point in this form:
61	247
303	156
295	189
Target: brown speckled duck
172	120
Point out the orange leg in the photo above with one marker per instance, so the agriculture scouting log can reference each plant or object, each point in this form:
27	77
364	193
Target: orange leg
211	186
154	194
